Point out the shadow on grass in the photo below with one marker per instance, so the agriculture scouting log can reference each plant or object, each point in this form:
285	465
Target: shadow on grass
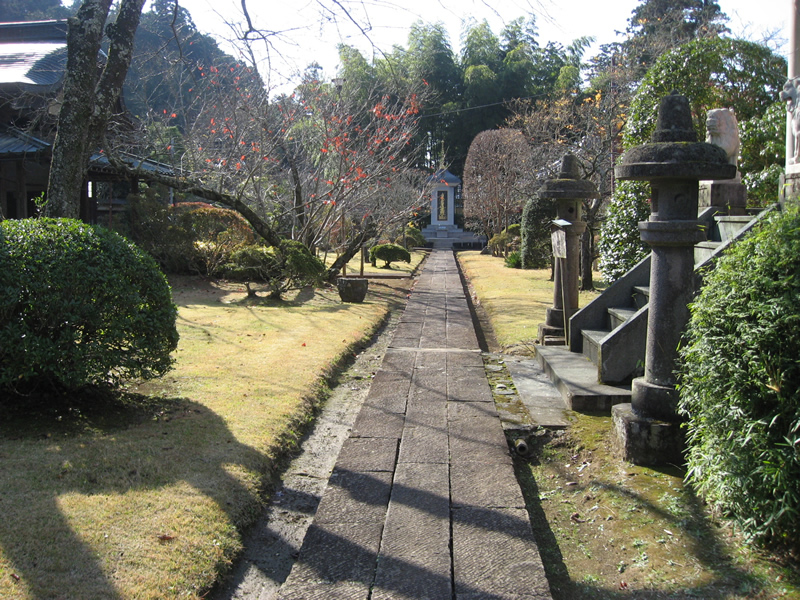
106	446
727	577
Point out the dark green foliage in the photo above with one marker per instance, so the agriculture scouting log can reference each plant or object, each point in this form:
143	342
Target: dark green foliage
389	253
507	240
79	306
188	238
535	246
740	382
34	10
620	246
514	260
412	237
763	155
289	267
711	73
152	226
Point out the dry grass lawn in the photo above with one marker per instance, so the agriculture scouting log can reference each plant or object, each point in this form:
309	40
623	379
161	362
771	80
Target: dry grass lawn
145	495
515	300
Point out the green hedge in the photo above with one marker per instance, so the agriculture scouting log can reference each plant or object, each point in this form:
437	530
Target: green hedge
389	253
79	306
188	238
740	382
535	245
289	267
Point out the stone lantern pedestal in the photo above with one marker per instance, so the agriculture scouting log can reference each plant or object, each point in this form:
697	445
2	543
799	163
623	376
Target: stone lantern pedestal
569	191
648	429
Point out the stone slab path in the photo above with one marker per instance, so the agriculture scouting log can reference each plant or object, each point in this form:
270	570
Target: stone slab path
423	502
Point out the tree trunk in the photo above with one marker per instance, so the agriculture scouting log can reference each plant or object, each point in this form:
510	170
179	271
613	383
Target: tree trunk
89	96
370	231
587	258
70	160
587	243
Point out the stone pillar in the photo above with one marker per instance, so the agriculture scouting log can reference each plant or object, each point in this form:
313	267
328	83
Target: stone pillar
790	181
648	429
793	71
569	191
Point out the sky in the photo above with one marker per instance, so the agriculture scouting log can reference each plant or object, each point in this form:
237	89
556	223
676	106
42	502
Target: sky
311	29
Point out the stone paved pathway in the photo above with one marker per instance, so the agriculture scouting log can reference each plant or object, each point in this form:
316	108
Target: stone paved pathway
423	502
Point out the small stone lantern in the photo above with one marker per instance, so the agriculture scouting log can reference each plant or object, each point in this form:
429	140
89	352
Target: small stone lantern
569	191
674	163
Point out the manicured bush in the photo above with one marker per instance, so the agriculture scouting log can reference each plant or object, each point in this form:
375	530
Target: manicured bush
155	228
535	246
389	253
740	382
497	243
289	267
190	237
80	306
507	240
215	233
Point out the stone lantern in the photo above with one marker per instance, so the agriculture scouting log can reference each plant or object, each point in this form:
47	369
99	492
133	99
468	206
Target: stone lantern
648	429
569	191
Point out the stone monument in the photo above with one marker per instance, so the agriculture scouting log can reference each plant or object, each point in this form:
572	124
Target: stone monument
569	191
722	129
648	430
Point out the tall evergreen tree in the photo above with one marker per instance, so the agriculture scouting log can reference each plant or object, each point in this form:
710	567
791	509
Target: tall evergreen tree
656	26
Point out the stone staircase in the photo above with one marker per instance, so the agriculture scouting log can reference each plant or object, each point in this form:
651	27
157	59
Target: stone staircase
447	235
608	337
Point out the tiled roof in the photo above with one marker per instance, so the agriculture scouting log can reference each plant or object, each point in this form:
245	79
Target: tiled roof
444	176
32	54
32	64
16	143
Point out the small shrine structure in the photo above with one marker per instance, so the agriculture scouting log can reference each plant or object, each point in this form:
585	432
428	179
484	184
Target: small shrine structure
446	204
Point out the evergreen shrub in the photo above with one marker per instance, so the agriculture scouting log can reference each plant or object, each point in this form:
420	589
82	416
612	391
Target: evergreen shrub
155	228
514	260
188	238
620	246
740	382
289	267
389	253
79	306
535	245
412	237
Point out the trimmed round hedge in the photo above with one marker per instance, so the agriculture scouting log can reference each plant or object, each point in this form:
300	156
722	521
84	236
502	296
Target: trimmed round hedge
389	253
740	382
79	306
